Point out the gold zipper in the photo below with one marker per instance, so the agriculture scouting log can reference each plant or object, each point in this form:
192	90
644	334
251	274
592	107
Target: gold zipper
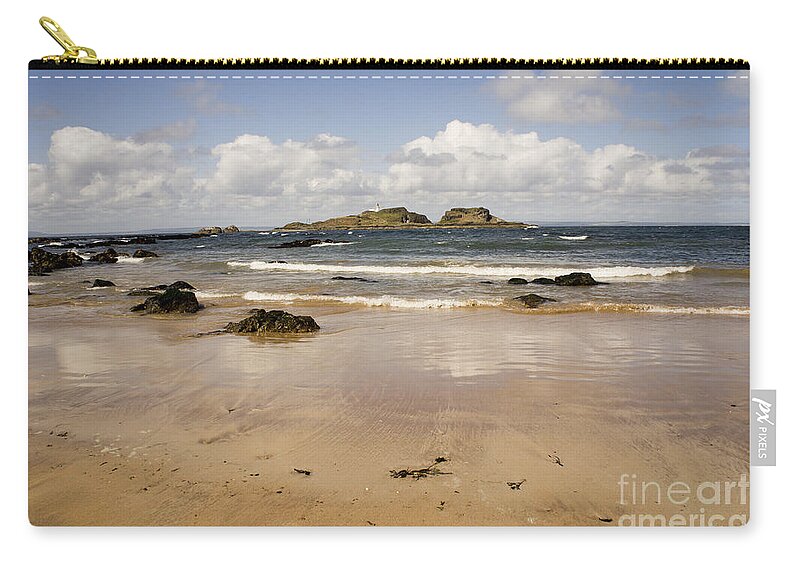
72	53
79	56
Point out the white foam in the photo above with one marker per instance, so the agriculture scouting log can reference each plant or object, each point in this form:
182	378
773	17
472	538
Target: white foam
573	238
130	259
382	301
660	309
739	311
616	272
83	256
55	243
199	246
213	295
326	244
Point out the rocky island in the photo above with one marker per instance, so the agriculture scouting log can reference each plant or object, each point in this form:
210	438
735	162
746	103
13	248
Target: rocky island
480	217
403	218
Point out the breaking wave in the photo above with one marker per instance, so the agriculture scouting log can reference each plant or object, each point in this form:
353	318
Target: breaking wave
326	244
394	302
382	301
616	272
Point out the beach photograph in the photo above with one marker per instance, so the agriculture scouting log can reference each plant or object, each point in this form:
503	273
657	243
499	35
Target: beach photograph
388	297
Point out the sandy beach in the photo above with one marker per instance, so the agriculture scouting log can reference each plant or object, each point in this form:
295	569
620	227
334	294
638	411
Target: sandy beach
137	420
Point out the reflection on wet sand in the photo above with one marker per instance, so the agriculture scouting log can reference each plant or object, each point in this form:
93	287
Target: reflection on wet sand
211	427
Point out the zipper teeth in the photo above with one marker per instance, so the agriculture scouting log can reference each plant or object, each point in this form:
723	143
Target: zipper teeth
381	63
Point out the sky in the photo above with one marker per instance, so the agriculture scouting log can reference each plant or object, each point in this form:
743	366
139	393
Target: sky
136	150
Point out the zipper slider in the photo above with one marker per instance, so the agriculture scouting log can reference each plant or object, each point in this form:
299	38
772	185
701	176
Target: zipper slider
72	52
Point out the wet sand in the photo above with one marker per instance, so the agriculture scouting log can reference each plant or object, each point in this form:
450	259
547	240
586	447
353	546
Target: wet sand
134	420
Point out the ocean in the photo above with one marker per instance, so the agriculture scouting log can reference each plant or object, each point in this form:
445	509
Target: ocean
657	269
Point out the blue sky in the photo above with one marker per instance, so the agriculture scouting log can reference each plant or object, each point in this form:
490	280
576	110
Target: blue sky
640	149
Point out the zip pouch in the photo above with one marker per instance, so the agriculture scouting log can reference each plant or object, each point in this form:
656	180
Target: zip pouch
379	292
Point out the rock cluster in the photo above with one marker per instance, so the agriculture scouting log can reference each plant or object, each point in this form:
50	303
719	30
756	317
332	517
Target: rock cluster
172	300
143	253
43	262
270	322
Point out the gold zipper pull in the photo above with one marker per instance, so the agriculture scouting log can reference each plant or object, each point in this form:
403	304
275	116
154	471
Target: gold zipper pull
72	52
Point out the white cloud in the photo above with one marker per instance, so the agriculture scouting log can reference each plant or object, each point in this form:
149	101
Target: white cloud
574	101
95	182
255	166
548	178
87	167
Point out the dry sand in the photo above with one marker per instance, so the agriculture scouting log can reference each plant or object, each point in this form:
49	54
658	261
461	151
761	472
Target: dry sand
135	421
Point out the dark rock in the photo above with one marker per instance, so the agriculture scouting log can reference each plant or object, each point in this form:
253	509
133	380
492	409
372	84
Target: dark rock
143	253
179	285
148	291
231	230
170	301
107	256
543	281
575	280
341	278
532	301
43	261
102	283
302	243
517	281
143	240
266	322
486	282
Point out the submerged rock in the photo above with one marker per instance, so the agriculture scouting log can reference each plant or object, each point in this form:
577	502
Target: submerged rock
170	301
575	280
143	240
179	285
303	243
517	281
143	253
43	261
102	283
107	256
361	279
268	322
543	281
532	301
147	291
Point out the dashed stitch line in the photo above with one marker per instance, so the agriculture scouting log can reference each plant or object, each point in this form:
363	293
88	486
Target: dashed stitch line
390	77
